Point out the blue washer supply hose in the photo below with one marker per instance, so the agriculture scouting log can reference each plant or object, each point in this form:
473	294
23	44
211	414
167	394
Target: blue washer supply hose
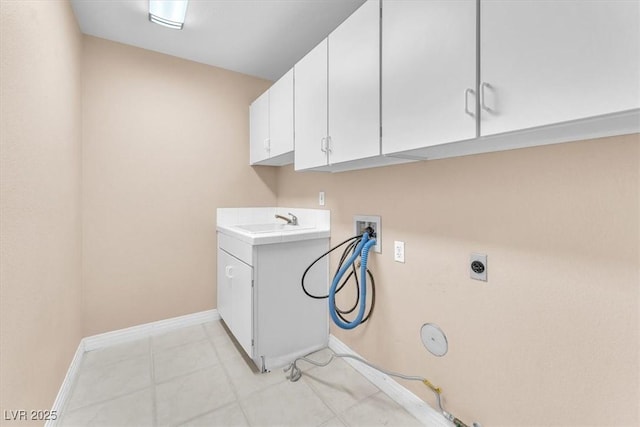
362	250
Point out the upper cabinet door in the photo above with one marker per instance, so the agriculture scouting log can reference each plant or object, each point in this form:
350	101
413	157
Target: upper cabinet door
311	109
428	73
259	129
354	86
545	62
281	115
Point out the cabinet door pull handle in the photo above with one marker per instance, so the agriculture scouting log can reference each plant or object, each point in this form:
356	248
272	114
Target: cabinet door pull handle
267	144
228	271
466	101
328	147
484	86
323	144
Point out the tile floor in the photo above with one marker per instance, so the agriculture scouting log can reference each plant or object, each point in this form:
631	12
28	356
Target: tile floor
195	376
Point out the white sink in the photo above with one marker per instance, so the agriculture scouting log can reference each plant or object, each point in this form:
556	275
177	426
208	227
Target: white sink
259	226
271	228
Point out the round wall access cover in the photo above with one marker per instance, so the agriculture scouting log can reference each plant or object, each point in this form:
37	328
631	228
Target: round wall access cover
434	339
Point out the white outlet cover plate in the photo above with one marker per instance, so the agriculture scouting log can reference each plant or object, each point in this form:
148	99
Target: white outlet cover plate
398	251
321	198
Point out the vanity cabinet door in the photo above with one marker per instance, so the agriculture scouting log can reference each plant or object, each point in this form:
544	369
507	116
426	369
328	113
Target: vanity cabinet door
235	298
224	287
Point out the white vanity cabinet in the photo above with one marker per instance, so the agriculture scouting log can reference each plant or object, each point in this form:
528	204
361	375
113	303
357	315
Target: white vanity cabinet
271	124
261	301
428	73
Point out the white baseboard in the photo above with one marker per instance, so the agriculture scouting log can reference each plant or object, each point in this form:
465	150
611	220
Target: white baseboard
405	398
65	388
120	336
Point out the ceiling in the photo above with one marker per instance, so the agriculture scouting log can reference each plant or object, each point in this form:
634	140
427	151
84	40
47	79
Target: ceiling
262	38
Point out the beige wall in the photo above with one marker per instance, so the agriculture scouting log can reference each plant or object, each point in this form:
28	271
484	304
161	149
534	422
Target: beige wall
552	337
40	131
165	142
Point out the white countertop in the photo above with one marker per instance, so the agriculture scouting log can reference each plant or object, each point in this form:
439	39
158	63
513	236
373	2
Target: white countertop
313	224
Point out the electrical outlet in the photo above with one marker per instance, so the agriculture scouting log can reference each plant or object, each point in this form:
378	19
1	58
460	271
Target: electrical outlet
398	251
361	222
321	198
478	266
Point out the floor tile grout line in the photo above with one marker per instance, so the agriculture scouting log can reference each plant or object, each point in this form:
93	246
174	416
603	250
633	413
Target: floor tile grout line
348	408
186	374
314	391
343	420
105	400
66	410
339	414
213	363
102	402
381	393
228	376
260	389
204	414
323	402
218	363
240	399
173	347
111	362
317	391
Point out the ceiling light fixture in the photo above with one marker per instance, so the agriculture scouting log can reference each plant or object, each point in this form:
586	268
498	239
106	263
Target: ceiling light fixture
170	13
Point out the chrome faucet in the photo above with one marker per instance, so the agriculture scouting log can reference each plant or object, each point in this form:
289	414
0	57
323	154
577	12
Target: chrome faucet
291	221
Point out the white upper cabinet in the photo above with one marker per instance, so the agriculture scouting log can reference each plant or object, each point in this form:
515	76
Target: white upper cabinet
545	62
532	72
354	86
428	73
407	79
281	116
271	124
311	109
259	129
337	98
